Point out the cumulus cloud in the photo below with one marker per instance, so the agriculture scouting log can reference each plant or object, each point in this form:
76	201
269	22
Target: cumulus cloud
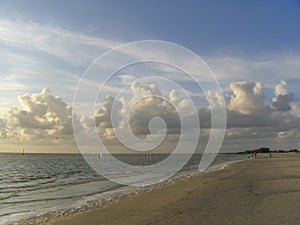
280	89
283	99
3	128
149	108
283	102
42	115
248	115
183	105
103	115
145	102
247	97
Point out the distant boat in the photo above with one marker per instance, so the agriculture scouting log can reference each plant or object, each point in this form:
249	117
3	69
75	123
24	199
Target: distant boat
100	156
23	151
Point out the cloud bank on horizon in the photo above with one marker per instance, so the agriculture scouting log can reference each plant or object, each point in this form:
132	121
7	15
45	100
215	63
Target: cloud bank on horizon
44	118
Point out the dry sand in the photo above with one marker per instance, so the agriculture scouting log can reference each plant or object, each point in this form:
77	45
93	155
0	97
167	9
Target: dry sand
259	191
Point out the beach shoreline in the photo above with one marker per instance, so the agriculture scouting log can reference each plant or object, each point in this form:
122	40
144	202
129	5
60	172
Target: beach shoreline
51	216
248	192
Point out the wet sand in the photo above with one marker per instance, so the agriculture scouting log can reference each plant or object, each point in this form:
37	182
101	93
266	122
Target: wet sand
258	191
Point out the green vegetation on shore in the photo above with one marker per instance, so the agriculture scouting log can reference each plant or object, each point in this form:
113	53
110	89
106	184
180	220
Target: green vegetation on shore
267	150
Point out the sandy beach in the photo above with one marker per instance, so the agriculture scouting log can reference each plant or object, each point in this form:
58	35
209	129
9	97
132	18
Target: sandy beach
258	191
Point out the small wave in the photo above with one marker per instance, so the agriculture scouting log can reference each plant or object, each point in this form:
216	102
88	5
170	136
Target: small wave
74	172
15	213
222	166
37	200
47	181
28	179
7	197
41	186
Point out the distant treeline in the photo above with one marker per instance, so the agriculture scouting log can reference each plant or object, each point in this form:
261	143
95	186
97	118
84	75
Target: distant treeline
283	151
266	150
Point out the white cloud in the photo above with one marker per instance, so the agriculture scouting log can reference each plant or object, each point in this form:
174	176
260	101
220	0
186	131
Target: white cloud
44	117
278	120
280	89
145	103
290	134
248	115
70	46
267	68
127	79
103	115
283	100
247	97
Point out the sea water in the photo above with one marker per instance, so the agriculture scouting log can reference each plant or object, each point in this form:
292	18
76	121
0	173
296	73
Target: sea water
36	187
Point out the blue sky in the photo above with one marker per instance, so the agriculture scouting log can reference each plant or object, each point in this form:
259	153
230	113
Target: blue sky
247	29
250	26
49	44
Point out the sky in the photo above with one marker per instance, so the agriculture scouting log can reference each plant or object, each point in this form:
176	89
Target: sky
47	51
